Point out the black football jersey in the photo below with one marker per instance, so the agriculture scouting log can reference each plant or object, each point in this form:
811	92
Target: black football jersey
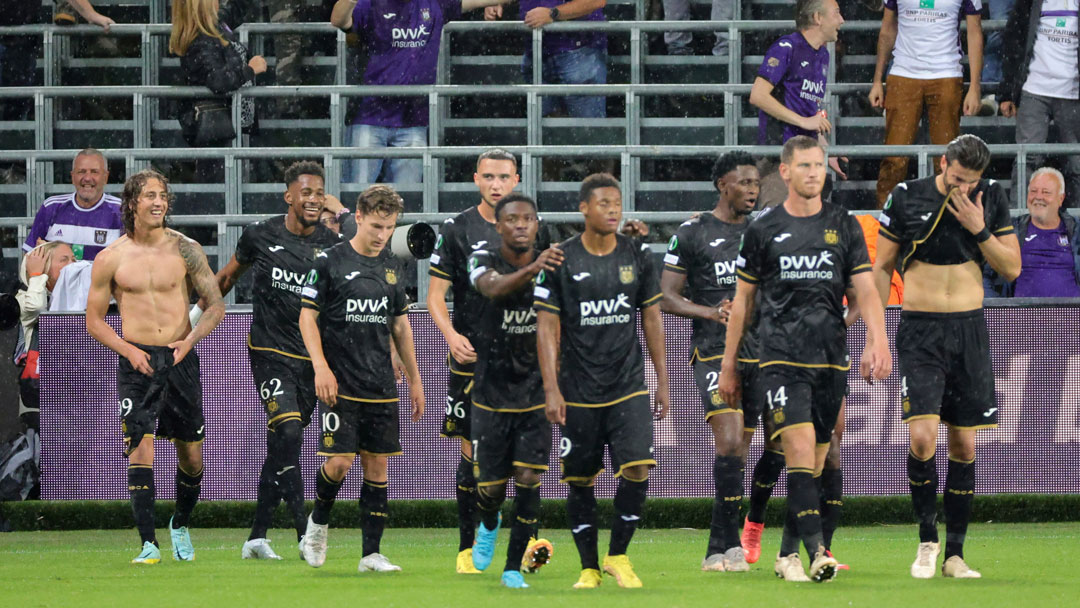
279	261
357	297
507	369
802	267
704	249
916	218
459	236
597	298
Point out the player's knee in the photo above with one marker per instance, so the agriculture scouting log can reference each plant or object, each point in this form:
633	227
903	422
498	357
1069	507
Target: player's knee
466	476
189	457
374	467
728	434
337	467
527	477
962	451
286	440
637	473
493	494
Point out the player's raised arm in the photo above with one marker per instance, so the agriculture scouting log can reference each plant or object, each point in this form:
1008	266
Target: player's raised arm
401	332
493	285
202	279
653	325
97	304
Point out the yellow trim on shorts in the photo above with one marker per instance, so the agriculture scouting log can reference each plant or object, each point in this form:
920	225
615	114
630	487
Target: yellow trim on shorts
695	356
977	427
271	421
450	364
468	388
274	350
777	452
749	429
726	410
432	269
920	417
633	463
332	455
788	428
498	482
546	305
819	445
619	400
531	408
842	368
529	465
359	400
367	453
174	440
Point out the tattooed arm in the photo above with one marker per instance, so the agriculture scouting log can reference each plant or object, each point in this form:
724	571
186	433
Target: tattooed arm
204	282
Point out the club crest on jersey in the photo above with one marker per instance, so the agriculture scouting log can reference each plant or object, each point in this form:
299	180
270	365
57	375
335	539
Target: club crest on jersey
1063	240
328	441
99	237
391	276
425	14
626	274
778	417
716	398
773	62
830	237
315	251
271	406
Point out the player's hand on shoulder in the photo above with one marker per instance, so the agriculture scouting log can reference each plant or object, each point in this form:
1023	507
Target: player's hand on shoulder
140	360
635	229
549	259
461	349
326	387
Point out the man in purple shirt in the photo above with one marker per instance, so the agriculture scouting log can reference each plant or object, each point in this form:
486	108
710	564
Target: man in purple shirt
87	219
1049	245
402	40
570	58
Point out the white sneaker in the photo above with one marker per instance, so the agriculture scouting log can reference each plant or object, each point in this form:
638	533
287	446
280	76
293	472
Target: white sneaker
955	567
258	548
313	547
925	560
713	563
790	568
823	568
735	560
376	562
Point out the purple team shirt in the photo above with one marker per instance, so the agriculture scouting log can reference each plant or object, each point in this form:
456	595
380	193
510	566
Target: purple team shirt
402	40
1046	260
801	72
88	231
560	43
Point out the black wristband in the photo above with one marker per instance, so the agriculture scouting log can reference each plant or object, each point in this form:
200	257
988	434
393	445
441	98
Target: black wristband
983	235
554	14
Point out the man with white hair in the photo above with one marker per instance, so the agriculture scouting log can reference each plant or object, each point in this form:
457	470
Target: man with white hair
1049	244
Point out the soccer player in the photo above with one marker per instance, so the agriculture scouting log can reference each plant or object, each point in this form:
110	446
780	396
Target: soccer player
589	353
150	271
511	434
352	304
804	255
281	250
496	176
938	230
702	254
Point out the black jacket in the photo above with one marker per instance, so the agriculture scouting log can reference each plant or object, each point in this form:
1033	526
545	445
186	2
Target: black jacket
222	69
1018	48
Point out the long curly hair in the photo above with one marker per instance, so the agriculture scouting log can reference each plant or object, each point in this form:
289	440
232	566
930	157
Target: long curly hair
133	188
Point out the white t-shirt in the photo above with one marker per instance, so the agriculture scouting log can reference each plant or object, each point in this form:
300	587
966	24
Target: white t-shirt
1053	71
928	37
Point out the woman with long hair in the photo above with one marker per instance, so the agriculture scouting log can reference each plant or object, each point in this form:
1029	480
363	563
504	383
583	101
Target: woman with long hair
211	56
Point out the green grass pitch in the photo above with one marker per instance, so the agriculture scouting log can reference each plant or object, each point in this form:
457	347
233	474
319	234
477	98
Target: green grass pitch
1022	565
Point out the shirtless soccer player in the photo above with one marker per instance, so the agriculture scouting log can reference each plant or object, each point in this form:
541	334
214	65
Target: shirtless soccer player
151	271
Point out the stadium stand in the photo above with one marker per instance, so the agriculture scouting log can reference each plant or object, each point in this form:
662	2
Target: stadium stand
668	116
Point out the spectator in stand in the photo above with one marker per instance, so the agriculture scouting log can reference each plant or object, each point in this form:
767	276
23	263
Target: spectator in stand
993	55
1049	245
1041	80
570	58
923	39
39	272
64	14
210	56
678	43
402	42
88	218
